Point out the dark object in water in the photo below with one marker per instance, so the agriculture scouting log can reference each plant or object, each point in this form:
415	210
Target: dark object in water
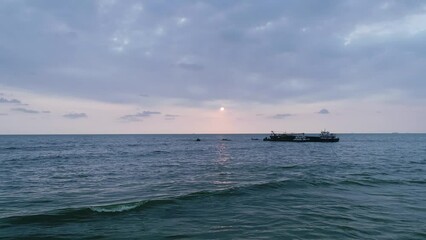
325	136
225	139
254	139
198	140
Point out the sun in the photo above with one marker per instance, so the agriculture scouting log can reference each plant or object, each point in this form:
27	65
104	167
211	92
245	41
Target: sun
222	109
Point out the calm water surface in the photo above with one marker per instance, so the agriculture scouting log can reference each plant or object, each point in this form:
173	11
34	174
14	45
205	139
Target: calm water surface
370	186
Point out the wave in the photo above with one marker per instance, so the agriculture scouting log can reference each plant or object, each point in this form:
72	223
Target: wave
160	151
10	148
134	144
289	166
123	207
356	182
153	153
86	213
377	182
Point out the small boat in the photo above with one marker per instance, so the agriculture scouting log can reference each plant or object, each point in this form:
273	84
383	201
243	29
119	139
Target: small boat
325	136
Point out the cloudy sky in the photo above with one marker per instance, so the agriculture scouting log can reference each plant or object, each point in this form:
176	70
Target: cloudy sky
168	66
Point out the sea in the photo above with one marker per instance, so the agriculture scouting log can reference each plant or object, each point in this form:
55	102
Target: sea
367	186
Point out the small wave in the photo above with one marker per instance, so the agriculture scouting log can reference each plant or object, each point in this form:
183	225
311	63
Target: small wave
423	181
353	182
289	166
133	145
374	182
62	216
116	208
86	213
10	148
153	153
160	151
124	207
378	181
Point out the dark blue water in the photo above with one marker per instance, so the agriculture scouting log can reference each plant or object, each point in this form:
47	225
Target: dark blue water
169	186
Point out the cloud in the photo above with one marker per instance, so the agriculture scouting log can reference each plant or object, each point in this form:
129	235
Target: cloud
3	114
298	46
75	115
139	116
170	116
282	116
406	26
147	113
10	101
270	25
181	21
24	110
324	111
189	64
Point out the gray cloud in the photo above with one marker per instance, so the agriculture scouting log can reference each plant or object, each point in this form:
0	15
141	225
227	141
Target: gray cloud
75	115
3	114
264	51
190	66
24	110
171	116
324	111
12	101
282	116
139	116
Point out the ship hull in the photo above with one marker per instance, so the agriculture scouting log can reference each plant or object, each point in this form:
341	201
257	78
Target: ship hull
295	138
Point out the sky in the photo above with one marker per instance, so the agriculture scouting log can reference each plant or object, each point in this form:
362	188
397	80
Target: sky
168	66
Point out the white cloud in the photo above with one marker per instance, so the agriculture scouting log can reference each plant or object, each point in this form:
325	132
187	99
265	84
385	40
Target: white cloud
104	6
407	26
138	7
182	21
190	63
160	31
119	43
270	25
264	27
60	28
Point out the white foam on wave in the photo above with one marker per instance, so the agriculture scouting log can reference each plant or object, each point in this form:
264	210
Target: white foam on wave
116	208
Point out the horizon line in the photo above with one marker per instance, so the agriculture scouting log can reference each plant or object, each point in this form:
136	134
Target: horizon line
76	134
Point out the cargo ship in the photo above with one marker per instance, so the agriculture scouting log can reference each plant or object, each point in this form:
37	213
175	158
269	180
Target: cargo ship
324	136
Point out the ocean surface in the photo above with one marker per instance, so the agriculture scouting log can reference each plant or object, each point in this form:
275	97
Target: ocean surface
367	186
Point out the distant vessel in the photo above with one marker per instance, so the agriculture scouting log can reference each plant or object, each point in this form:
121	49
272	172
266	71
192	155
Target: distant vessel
324	136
